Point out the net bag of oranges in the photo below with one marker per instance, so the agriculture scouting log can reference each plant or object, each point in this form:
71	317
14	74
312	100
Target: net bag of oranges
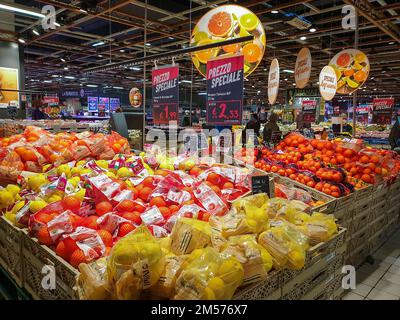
209	275
136	262
256	261
286	244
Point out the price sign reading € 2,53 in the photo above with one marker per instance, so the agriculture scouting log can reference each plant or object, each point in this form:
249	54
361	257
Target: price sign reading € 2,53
225	90
165	87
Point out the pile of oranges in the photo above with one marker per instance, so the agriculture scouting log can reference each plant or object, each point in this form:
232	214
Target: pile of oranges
332	167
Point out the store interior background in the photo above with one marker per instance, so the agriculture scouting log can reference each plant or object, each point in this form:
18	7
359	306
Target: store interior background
53	62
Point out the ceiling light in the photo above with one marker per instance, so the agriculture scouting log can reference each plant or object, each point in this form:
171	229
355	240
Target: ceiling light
47	81
303	38
258	92
274	11
81	10
202	93
134	68
286	79
100	43
57	24
171	38
19	10
62	59
148	44
122	50
66	68
20	40
288	71
69	77
294	84
34	31
265	69
100	56
375	89
118	88
391	42
312	30
54	75
92	85
186	81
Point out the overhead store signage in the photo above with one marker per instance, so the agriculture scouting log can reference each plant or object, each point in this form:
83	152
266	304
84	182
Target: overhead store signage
302	70
135	98
9	80
104	104
225	77
273	81
309	108
165	85
51	101
93	104
352	69
224	23
114	104
382	110
327	83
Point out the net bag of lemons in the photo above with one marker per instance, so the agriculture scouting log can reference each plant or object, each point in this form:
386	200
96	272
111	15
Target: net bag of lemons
247	216
209	275
286	209
135	264
286	244
255	259
318	227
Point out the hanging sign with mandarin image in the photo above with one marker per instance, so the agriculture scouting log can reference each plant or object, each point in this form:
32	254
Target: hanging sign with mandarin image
327	83
352	68
135	98
225	23
302	69
273	81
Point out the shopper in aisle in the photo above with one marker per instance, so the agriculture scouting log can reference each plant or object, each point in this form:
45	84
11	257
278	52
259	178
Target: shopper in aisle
394	135
300	123
270	127
253	124
347	128
38	114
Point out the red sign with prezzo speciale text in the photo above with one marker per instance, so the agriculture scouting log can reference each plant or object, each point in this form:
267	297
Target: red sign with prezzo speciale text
309	110
165	85
225	79
382	110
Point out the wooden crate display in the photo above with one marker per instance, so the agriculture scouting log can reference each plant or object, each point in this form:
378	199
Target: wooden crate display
268	289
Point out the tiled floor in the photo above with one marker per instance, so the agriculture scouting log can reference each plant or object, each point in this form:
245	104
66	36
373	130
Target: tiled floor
380	280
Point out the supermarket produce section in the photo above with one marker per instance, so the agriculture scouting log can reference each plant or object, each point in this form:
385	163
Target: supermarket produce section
119	225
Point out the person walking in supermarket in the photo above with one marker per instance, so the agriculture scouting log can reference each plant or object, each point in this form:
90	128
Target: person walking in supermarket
270	127
394	136
253	124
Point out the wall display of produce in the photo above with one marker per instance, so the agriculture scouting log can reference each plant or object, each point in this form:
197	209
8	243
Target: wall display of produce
224	23
191	225
352	70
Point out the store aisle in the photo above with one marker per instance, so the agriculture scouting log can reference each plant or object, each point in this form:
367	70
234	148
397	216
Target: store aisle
380	280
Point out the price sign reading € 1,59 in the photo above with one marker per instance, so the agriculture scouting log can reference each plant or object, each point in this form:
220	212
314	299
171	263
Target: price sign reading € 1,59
225	91
162	114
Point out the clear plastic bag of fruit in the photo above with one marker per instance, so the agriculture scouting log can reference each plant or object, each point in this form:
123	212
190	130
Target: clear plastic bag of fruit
136	262
255	259
92	281
319	227
189	234
286	244
209	275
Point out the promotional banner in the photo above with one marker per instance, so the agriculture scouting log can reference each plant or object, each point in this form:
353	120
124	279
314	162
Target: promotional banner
93	103
51	101
273	81
327	83
165	85
8	80
225	91
302	69
352	68
224	23
382	110
104	104
114	104
309	108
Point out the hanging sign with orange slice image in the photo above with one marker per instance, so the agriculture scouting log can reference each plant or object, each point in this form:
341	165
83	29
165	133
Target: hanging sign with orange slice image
225	23
352	68
273	81
135	98
302	69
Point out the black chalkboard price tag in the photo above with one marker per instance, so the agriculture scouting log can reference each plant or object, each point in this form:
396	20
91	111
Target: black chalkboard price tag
260	184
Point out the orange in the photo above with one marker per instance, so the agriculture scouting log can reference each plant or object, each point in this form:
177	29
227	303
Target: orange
220	24
366	178
174	208
348	153
340	158
378	170
61	251
158	202
360	76
106	237
214	178
161	172
166	212
103	208
231	48
126	205
252	53
116	147
364	159
78	257
72	203
348	72
125	228
43	236
144	193
148	182
216	189
43	217
374	159
90	222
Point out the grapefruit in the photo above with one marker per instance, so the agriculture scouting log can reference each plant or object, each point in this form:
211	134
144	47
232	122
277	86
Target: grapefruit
220	24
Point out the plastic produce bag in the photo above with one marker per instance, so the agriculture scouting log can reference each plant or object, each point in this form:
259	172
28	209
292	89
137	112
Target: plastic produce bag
136	262
319	227
256	260
92	281
190	234
286	244
209	275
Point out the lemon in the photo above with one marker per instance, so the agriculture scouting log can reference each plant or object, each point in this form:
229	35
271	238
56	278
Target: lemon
76	171
18	206
200	36
37	205
64	168
341	83
86	171
249	21
74	181
36	181
231	271
110	175
208	294
243	32
46	167
124	172
352	84
80	194
216	284
81	163
10	217
102	164
204	55
53	198
266	259
14	189
296	259
6	198
263	39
